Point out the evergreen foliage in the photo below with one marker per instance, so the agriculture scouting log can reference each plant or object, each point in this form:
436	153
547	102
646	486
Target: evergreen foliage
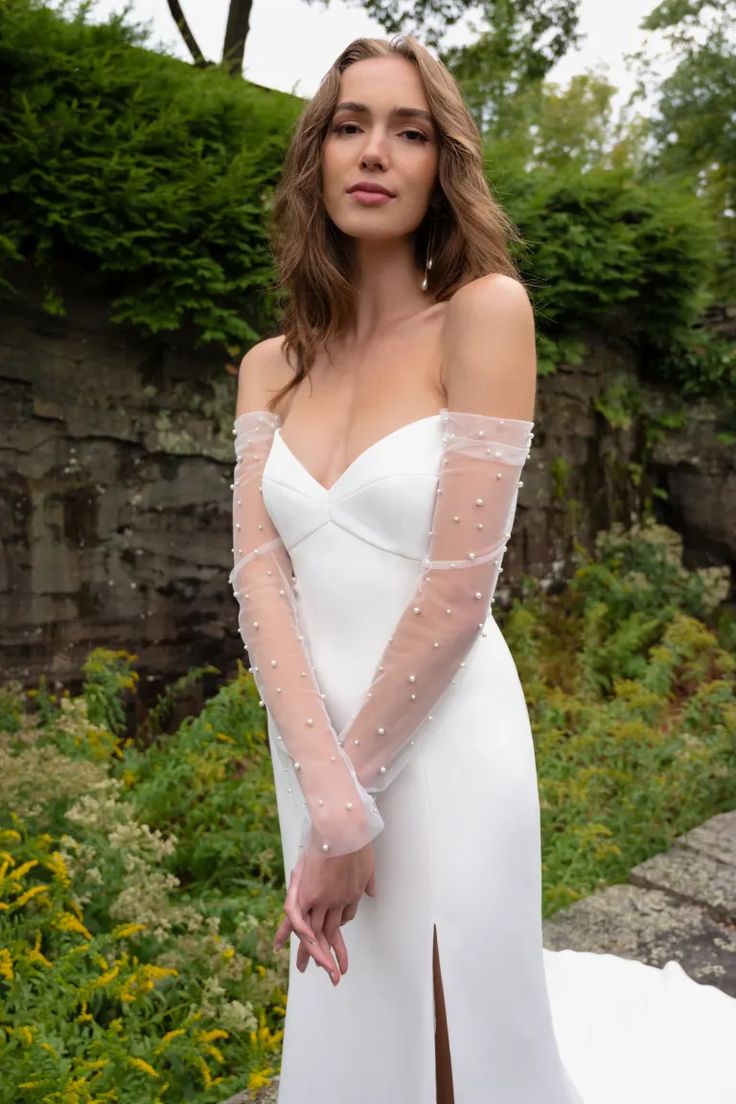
141	878
150	180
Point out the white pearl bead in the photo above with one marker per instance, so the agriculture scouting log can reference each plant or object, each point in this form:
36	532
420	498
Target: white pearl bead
348	804
320	801
297	766
332	758
381	731
325	847
448	610
479	502
310	721
255	624
412	678
356	742
417	609
382	770
498	475
478	594
436	644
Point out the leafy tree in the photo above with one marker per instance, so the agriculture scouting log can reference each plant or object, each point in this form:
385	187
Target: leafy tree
693	123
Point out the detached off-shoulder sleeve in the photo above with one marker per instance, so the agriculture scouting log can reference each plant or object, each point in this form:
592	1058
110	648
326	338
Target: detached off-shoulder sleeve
341	816
475	504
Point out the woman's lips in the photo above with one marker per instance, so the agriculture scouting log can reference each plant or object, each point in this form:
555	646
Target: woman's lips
370	199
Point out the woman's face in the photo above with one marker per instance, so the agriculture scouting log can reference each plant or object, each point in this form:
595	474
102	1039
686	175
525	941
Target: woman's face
381	133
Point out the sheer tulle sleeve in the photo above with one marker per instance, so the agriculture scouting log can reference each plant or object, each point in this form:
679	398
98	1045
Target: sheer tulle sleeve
341	817
475	505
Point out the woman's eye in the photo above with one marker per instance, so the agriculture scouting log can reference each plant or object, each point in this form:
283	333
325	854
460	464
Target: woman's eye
416	135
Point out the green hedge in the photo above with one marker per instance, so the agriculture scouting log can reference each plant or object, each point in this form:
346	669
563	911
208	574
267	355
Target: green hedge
149	173
152	179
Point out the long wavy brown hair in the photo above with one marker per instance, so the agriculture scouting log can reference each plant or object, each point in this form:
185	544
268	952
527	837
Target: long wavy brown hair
468	231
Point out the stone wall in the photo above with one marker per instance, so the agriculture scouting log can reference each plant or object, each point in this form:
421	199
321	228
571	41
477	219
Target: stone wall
116	460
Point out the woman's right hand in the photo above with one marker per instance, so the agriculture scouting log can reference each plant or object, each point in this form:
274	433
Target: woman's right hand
328	933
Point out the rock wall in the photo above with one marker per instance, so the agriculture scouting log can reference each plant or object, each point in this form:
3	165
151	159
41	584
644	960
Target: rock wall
115	465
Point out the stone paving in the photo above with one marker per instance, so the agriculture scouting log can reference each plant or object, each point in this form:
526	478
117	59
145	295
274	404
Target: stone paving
680	904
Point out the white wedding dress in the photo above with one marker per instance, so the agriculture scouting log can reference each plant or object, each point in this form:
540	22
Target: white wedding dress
452	811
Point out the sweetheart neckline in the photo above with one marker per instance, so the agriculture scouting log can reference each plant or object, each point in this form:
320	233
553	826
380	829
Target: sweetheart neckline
359	457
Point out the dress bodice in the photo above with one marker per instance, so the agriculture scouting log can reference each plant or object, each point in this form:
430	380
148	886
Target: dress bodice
356	548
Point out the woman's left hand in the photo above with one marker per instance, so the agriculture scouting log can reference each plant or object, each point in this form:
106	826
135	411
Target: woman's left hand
325	894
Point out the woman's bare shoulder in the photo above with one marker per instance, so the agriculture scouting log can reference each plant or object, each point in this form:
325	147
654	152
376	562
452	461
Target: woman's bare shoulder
264	370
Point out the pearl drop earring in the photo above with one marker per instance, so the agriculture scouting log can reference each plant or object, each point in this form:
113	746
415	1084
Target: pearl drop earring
427	270
428	260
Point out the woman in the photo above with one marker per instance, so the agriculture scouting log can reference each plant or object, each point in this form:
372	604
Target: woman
379	445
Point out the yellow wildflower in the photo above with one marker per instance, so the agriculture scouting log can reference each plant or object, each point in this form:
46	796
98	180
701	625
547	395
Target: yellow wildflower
26	1034
168	1037
105	979
207	1077
215	1033
29	893
50	1049
74	906
160	971
36	955
95	1064
142	1065
23	870
128	929
260	1078
66	921
6	964
55	863
9	835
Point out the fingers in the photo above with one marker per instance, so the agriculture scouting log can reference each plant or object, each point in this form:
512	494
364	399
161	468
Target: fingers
349	913
317	919
333	935
295	920
283	932
303	957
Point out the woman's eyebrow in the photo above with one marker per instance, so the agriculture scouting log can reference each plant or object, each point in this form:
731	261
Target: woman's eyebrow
396	112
